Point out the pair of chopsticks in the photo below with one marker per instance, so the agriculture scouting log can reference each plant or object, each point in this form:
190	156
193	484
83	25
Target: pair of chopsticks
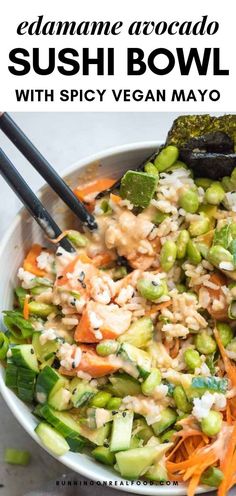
26	195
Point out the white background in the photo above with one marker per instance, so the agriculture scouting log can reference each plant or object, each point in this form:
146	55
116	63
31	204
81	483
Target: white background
126	11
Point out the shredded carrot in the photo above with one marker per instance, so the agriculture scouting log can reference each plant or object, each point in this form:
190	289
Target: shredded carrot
103	259
26	307
87	191
115	198
228	464
30	261
175	349
156	308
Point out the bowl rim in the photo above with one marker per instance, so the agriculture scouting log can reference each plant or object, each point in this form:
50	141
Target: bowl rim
9	396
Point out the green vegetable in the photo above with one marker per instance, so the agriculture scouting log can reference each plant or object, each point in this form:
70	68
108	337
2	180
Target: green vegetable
114	403
16	457
193	253
225	332
181	243
100	399
218	254
139	333
119	273
150	289
192	359
215	193
23	355
11	374
189	201
211	425
41	309
17	325
159	217
104	205
223	236
213	384
232	310
140	360
168	418
168	255
138	188
181	288
151	382
166	158
52	439
123	385
4	345
103	455
78	239
42	351
134	462
121	431
25	384
227	184
203	182
232	346
181	400
212	477
167	436
48	380
151	169
107	347
21	294
205	343
200	226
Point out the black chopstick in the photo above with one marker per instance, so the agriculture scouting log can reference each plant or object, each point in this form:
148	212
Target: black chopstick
26	147
31	202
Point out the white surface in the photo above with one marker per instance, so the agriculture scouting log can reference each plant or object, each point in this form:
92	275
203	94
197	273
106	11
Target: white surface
63	138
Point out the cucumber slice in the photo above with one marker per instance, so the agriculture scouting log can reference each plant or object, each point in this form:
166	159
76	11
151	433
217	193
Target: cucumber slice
215	384
103	455
26	384
157	472
20	294
51	439
123	385
139	333
63	422
97	417
81	392
23	355
76	445
41	309
96	436
135	462
168	417
43	350
19	327
48	381
11	374
142	430
140	359
60	399
121	431
37	411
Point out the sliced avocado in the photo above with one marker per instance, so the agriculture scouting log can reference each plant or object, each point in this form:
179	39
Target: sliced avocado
138	187
139	333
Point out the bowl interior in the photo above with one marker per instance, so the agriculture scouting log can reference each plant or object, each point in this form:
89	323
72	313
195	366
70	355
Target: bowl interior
23	232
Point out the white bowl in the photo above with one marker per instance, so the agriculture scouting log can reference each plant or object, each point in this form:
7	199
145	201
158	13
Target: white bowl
19	237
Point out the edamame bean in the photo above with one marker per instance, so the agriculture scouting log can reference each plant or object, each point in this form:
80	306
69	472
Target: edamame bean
189	201
205	343
200	226
181	288
218	254
100	399
78	239
193	253
114	403
215	193
151	169
233	177
166	158
180	399
107	347
151	382
203	182
177	165
225	332
211	424
192	359
41	309
151	290
181	243
159	217
4	345
209	210
168	436
212	477
168	255
227	184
